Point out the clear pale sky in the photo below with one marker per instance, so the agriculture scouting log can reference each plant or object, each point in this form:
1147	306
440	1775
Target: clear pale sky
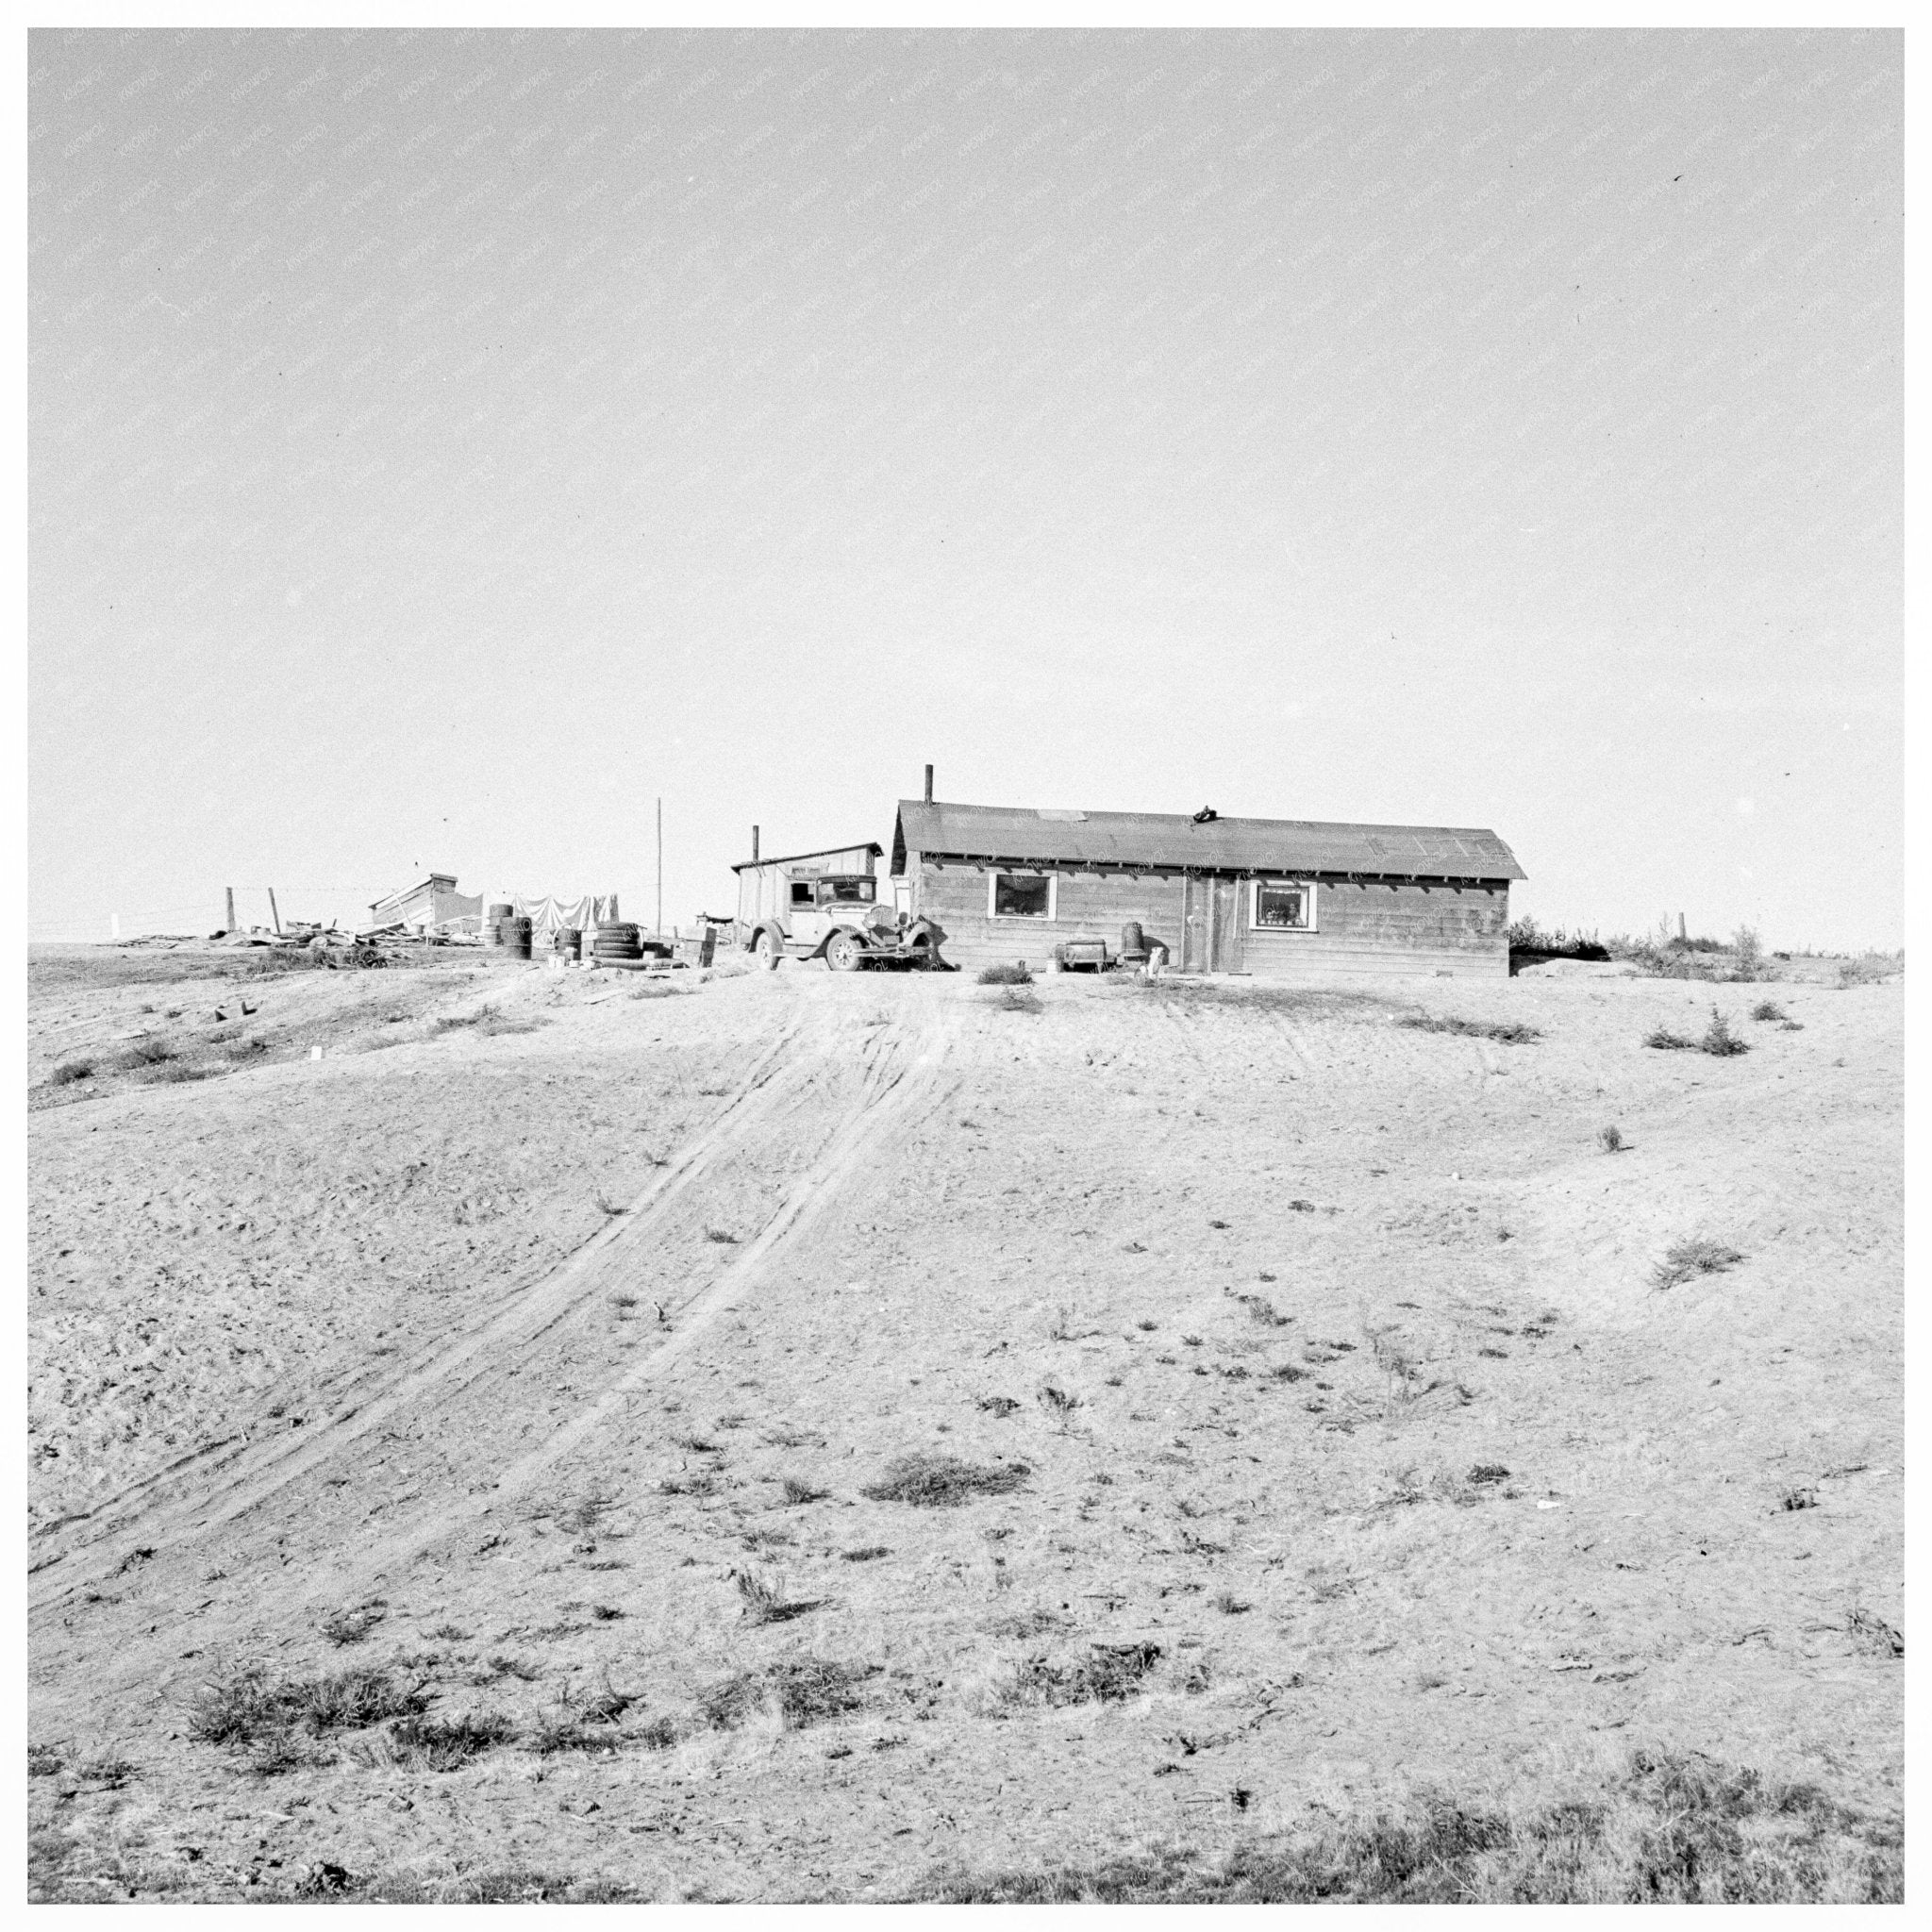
443	444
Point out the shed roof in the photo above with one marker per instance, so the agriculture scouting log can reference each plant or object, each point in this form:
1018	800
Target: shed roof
866	845
437	881
1222	845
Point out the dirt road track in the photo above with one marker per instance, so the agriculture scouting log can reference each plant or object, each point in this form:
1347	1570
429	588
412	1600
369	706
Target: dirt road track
854	1096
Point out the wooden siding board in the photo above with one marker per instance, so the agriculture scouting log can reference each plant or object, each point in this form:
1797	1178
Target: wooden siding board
1361	927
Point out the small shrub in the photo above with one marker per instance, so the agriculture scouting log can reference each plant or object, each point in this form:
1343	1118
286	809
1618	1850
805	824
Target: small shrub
1060	1403
1263	1311
806	1691
140	1054
943	1481
997	1404
441	1744
1015	1000
1668	1042
1229	1605
797	1492
1111	1673
763	1601
1686	1259
517	1667
1015	974
42	1761
720	1236
582	1720
1610	1139
353	1624
1767	1010
1719	1039
1799	1499
869	1554
1870	970
247	1704
1874	1633
68	1072
1486	1474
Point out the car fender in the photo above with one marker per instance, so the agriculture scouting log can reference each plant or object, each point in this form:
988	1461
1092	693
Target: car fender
858	932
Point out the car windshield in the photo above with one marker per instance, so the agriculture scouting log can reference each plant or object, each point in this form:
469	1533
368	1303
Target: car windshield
856	891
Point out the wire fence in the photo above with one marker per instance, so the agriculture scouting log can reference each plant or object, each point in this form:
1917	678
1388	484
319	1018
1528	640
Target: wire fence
297	901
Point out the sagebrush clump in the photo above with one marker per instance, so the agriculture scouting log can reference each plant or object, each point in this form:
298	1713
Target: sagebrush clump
943	1481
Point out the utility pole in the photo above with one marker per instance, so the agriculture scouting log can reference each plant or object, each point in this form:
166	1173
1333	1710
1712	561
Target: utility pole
230	926
275	917
658	928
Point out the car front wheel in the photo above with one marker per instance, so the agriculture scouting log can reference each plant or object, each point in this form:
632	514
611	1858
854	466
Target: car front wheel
843	953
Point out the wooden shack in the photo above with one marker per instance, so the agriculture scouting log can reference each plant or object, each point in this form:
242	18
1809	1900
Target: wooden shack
1275	898
430	904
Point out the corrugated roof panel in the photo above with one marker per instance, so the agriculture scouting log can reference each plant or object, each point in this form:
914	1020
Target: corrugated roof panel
1164	839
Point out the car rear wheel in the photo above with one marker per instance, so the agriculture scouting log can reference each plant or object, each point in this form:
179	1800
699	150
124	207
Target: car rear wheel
769	949
843	952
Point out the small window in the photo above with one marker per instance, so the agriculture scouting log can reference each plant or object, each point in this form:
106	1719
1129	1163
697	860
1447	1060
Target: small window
848	892
1284	906
801	891
1020	895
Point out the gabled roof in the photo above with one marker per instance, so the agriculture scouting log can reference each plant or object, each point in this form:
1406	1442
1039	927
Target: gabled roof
1173	839
871	845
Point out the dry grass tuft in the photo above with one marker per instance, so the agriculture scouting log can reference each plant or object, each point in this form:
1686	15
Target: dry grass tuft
1610	1139
1686	1259
764	1600
805	1690
1508	1033
433	1743
353	1623
943	1481
488	1021
1015	974
1061	1403
1110	1674
1668	1831
248	1704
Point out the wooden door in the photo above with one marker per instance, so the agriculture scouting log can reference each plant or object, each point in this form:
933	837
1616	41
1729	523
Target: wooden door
1226	950
1197	910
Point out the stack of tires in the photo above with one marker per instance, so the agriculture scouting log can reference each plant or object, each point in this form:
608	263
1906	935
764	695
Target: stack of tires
569	942
493	917
513	936
617	941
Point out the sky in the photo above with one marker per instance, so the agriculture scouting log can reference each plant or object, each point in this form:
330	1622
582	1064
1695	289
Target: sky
443	446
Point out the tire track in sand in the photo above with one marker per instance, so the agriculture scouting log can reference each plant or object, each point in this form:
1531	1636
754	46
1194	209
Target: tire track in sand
904	1082
901	1085
164	1506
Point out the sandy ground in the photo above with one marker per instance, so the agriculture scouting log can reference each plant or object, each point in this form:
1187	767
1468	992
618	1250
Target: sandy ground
366	1330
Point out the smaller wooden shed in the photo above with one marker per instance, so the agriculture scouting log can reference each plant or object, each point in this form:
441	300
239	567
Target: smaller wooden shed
430	903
